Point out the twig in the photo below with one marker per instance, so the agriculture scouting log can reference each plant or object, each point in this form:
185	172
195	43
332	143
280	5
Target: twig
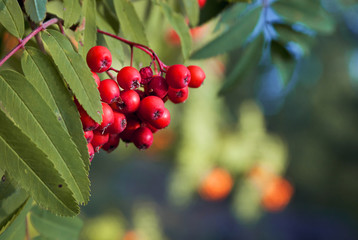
27	38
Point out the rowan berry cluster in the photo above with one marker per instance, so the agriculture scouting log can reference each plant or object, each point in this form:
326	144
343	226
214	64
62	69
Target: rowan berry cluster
133	102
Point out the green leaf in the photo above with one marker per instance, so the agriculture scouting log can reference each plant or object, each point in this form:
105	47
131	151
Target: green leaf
286	35
17	229
36	9
43	75
211	10
115	46
178	22
232	14
249	59
192	10
90	28
71	13
283	60
10	208
131	27
55	227
33	171
6	186
25	106
75	72
315	18
232	38
55	8
11	17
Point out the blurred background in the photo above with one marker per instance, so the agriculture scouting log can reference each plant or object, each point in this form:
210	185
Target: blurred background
264	161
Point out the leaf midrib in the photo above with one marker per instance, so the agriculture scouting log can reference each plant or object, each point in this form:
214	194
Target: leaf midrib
12	18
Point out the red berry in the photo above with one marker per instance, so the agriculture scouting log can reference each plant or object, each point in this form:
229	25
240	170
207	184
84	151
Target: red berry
201	3
157	87
127	103
151	108
99	139
178	95
142	138
89	136
113	142
197	76
128	78
87	122
151	127
90	151
163	121
96	78
99	59
178	76
133	124
109	91
107	116
118	125
146	74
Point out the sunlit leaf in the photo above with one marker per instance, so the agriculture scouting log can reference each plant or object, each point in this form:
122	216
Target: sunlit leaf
131	27
11	17
192	10
178	22
55	8
71	12
75	72
42	73
232	38
25	106
249	59
90	28
55	227
36	9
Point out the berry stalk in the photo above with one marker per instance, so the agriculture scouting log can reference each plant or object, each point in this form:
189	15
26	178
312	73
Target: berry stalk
27	38
144	48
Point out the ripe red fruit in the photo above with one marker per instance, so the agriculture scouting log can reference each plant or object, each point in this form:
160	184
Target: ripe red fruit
99	59
96	78
178	76
127	103
109	91
89	136
129	78
113	142
151	108
118	125
107	117
142	138
87	122
90	151
133	124
197	76
157	87
178	95
201	3
146	74
163	121
99	139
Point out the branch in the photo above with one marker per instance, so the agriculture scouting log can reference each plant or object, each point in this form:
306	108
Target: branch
27	38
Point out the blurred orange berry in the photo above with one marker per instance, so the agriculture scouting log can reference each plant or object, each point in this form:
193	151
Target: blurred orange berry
9	42
277	194
196	34
130	235
216	185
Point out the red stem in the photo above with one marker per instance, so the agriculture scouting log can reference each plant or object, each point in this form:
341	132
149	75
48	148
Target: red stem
27	38
144	48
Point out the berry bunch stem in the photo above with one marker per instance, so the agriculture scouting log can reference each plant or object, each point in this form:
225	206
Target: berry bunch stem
142	47
27	38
